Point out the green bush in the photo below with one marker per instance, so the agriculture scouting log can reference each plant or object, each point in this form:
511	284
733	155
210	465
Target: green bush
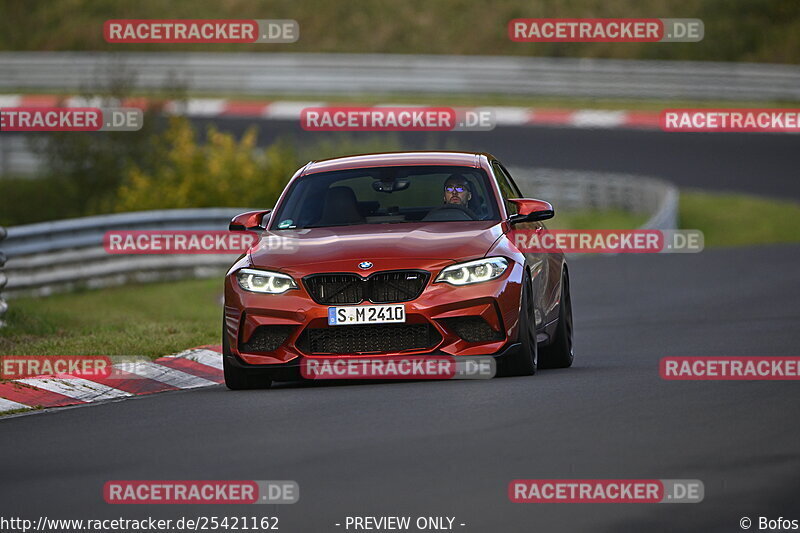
223	172
25	200
87	168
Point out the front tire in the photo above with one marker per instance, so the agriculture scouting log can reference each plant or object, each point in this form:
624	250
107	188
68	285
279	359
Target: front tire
239	378
524	361
559	353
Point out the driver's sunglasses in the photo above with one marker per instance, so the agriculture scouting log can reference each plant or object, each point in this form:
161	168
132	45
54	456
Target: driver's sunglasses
455	189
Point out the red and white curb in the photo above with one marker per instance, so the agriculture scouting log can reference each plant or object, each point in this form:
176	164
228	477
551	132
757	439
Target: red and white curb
191	369
290	110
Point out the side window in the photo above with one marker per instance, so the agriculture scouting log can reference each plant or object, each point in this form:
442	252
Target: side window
507	189
511	182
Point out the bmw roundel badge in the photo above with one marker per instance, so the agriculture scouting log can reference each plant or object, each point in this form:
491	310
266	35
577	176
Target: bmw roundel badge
365	265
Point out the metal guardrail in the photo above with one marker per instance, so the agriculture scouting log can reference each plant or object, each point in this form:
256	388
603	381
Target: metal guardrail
259	73
581	190
52	257
88	231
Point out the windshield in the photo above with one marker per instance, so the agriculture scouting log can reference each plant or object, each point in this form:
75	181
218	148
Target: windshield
387	195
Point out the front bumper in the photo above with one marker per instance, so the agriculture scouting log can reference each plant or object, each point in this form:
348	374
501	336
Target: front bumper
441	307
292	370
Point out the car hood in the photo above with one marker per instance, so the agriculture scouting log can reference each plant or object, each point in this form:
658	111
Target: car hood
388	246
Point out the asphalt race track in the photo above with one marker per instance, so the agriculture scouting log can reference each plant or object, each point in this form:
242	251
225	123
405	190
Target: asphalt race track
451	448
763	164
758	163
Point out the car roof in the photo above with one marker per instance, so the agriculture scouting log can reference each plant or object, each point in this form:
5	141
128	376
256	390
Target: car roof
391	159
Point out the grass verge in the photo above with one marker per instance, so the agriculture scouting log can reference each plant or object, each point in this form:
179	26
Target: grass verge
151	320
739	219
613	219
21	410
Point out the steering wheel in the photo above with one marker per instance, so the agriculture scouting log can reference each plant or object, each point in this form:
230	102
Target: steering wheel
447	212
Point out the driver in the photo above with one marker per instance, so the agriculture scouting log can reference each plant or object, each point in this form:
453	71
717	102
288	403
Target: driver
456	190
457	194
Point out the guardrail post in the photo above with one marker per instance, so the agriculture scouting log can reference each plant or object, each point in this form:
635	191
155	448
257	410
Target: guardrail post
3	279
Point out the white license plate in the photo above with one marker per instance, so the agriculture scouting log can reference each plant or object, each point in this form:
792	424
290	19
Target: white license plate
366	314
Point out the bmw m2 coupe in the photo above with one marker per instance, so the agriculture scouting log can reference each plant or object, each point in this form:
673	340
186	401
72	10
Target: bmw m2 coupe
393	254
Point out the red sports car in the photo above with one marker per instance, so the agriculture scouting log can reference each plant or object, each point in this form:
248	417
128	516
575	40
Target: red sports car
393	254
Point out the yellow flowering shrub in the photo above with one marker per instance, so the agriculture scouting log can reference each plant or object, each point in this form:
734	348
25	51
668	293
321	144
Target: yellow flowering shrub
222	172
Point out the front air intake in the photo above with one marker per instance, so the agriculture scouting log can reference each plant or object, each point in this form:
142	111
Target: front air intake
472	329
265	339
372	338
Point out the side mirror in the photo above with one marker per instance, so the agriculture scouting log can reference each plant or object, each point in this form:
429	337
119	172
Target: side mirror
530	210
252	220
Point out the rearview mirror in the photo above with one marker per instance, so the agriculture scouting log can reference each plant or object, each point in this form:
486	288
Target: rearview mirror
397	184
531	210
251	220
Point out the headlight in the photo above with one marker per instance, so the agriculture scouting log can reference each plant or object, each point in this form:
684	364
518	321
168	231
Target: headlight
264	281
473	271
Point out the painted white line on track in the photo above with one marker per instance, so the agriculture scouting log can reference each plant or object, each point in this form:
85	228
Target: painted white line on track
204	357
509	116
78	388
165	374
8	405
289	110
197	107
588	118
10	100
82	101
